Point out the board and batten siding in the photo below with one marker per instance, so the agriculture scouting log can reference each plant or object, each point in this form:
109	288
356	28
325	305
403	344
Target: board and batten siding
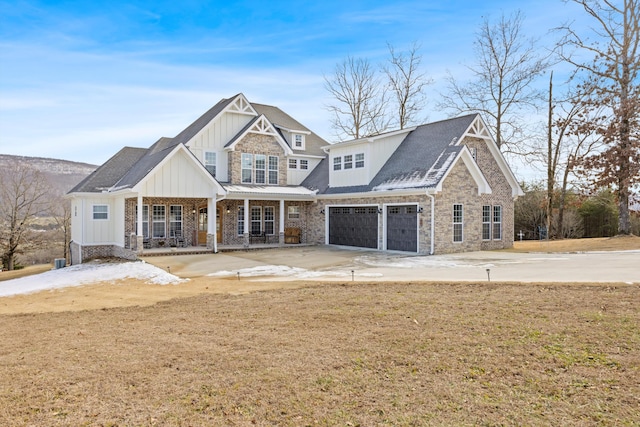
177	176
214	136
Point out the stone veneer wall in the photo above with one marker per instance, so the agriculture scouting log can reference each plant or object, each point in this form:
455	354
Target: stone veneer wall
458	188
230	220
189	220
90	252
257	144
501	193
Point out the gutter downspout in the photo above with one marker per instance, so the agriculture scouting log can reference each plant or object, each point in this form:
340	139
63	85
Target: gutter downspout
433	223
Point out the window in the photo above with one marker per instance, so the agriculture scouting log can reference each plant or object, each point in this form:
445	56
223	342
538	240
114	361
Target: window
100	212
337	163
175	220
240	220
497	222
247	168
457	222
304	164
293	164
360	160
256	219
273	170
158	219
145	220
210	162
486	223
348	161
298	141
294	212
269	220
261	168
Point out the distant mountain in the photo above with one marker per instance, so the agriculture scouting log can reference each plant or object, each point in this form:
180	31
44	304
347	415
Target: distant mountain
62	174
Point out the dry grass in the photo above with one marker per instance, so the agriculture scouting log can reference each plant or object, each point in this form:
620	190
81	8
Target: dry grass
618	243
382	354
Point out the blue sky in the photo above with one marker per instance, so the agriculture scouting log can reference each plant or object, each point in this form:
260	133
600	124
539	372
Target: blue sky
81	79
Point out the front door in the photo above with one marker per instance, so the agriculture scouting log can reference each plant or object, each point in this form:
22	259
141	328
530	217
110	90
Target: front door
202	226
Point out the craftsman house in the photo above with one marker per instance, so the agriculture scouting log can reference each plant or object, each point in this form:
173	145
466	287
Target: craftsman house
246	174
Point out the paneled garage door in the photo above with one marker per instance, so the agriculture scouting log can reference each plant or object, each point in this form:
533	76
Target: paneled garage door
402	228
354	226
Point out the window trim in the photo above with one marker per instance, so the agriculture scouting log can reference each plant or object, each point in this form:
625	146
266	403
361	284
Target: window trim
458	224
294	139
240	222
359	160
145	220
243	167
272	209
276	169
253	221
207	164
487	213
293	164
94	212
348	161
293	212
175	221
497	225
262	158
163	222
337	163
304	164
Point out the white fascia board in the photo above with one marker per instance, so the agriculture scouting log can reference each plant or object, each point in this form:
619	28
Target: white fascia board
199	166
304	132
307	156
368	139
287	150
496	153
376	194
474	170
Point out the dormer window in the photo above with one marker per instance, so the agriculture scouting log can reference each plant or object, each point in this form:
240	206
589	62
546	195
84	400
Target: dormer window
298	141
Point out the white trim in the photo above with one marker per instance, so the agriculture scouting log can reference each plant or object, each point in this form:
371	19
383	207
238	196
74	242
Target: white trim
385	223
93	212
261	126
472	167
240	105
478	129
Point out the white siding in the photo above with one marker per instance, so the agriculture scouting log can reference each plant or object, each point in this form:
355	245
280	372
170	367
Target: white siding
296	176
376	154
178	177
97	231
214	136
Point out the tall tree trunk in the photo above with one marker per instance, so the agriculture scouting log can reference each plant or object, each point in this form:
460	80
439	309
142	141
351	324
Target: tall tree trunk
550	162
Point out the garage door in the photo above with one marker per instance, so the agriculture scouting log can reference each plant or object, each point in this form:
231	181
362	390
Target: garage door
402	228
354	226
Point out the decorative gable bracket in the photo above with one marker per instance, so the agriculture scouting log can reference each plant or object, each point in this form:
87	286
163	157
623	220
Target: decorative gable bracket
240	105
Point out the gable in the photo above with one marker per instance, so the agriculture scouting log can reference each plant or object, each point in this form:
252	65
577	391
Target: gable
179	175
260	126
478	129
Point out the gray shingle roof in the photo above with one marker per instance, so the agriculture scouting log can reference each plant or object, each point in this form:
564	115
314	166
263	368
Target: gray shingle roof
313	143
419	161
112	171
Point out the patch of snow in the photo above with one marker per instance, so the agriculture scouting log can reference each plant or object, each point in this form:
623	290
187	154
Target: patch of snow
419	179
85	274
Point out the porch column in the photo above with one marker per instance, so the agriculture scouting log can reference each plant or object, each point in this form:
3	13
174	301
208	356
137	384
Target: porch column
247	219
139	233
281	226
211	225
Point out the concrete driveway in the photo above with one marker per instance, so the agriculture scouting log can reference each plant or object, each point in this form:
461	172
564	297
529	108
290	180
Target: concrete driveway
329	263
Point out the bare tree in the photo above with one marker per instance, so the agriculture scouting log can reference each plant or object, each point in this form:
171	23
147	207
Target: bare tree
614	79
406	83
506	66
570	138
23	195
359	109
